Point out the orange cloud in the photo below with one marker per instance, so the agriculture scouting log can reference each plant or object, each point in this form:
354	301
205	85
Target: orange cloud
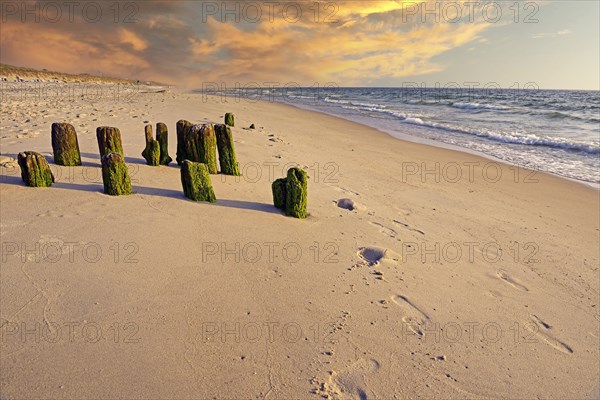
129	37
353	51
368	40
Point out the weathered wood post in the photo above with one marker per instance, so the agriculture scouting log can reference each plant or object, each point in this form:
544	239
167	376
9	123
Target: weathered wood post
229	119
109	140
296	193
227	158
208	147
183	127
279	193
65	145
162	136
196	182
152	151
35	170
115	175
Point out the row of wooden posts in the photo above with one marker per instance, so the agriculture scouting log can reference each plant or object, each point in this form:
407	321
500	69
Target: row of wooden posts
197	146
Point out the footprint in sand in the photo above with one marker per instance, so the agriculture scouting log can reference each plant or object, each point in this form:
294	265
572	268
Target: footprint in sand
350	382
504	276
375	255
414	317
542	329
350	205
346	204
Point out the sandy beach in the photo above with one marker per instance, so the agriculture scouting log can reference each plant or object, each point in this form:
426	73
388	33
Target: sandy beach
444	274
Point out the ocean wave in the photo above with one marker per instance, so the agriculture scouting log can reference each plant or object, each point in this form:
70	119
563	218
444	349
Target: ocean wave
503	137
518	138
479	106
459	105
354	103
562	115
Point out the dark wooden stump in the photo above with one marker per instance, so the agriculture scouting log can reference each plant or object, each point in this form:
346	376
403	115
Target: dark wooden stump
109	140
115	175
196	182
65	145
208	147
162	136
229	119
35	170
279	193
183	127
152	151
227	158
296	193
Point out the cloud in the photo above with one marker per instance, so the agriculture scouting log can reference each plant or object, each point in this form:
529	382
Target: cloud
129	37
563	32
347	42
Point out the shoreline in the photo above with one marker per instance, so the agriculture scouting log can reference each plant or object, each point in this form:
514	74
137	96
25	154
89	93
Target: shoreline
416	140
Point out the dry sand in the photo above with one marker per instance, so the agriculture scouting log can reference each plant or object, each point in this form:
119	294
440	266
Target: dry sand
415	286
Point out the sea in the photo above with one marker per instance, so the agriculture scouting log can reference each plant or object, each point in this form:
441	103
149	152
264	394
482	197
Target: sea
555	131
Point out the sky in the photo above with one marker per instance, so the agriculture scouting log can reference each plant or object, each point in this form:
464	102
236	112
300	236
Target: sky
388	43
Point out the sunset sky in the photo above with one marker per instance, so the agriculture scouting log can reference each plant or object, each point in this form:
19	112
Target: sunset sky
349	43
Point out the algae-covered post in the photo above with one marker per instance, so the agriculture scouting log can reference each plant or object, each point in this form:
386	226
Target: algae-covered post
296	193
65	145
279	193
208	147
229	119
152	151
196	182
227	158
109	140
291	194
162	136
183	144
115	175
35	170
148	133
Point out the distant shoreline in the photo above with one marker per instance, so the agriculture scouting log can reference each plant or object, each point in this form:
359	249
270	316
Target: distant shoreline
282	98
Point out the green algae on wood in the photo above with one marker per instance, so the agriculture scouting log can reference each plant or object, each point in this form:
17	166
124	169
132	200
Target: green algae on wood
162	136
109	140
35	170
207	147
65	145
227	158
115	175
229	119
296	193
196	182
152	151
197	143
279	188
183	127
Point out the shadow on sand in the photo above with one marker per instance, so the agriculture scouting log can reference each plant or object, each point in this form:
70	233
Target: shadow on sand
149	191
96	156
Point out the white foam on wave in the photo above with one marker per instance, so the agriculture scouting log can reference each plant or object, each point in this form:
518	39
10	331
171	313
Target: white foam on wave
479	106
504	137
